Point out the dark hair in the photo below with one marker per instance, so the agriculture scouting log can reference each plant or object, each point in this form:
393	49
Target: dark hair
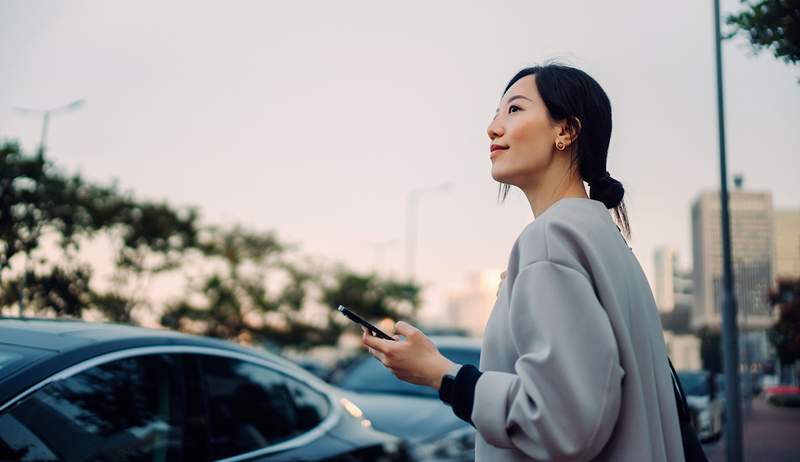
571	94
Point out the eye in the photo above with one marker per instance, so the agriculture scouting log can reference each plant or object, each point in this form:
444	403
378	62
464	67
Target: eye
513	107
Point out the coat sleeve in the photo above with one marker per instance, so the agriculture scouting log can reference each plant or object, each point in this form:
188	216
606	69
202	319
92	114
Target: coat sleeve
564	399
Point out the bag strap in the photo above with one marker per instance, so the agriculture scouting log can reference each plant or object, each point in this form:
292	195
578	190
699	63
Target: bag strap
680	396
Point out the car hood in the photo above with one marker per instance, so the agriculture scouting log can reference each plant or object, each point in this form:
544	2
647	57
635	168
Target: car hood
415	419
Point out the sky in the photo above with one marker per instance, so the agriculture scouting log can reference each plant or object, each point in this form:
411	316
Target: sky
316	119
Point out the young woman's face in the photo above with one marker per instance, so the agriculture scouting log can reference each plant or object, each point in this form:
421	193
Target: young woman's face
524	128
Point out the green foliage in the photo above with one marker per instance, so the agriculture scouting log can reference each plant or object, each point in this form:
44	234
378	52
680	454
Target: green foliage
241	284
371	296
36	199
785	334
232	299
63	290
711	349
771	24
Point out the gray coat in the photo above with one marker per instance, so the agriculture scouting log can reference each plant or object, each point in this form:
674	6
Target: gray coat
573	359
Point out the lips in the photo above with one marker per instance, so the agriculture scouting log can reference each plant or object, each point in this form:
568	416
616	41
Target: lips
496	150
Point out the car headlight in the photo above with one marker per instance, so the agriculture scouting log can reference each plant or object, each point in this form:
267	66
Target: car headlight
457	444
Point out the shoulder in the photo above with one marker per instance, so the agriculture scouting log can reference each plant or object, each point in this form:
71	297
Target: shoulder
566	234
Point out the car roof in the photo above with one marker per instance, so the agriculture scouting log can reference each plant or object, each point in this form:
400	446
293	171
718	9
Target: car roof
65	334
456	341
55	344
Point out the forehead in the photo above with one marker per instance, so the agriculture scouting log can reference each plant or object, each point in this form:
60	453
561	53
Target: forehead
526	86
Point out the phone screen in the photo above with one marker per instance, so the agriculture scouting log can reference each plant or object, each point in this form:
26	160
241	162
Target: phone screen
359	320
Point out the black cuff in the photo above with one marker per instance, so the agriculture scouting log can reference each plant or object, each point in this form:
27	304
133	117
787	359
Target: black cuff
463	394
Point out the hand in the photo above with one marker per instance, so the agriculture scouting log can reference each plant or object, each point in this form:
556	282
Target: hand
415	360
502	277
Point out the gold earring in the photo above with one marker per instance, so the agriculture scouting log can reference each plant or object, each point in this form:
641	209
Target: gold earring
560	145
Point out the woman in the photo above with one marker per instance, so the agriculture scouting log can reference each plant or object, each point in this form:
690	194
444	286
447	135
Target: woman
573	365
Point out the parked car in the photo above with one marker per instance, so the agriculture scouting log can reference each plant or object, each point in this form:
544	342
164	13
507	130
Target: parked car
706	403
73	391
413	412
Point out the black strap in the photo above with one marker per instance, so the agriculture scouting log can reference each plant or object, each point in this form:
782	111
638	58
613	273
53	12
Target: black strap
692	449
680	396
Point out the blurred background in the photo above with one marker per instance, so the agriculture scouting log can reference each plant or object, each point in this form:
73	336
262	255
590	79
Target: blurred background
239	169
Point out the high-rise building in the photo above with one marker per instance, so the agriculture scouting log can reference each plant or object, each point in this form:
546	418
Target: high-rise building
752	244
787	243
673	291
469	307
666	260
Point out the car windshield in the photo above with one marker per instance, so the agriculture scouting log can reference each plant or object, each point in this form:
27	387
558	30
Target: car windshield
367	375
694	383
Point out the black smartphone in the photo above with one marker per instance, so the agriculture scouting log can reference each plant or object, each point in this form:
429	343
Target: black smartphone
359	320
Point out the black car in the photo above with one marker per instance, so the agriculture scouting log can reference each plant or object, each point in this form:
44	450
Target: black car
413	412
72	390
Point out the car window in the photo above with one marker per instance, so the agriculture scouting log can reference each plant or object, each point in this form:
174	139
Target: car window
132	409
251	407
368	375
694	384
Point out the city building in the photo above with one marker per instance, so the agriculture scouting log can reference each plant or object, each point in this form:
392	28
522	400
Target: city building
673	291
787	244
753	249
683	351
469	307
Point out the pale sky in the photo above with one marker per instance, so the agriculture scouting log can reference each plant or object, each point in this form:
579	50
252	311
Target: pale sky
317	118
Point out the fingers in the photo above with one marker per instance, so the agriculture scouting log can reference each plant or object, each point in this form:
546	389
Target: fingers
376	343
405	329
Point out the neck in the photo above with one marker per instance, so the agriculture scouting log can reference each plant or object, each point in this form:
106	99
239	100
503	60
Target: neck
552	187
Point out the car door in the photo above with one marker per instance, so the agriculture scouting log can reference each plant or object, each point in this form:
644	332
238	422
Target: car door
257	411
120	407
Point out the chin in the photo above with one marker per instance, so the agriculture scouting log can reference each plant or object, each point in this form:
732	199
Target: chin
502	177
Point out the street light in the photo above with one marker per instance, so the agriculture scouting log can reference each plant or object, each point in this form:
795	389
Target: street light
730	334
412	204
45	113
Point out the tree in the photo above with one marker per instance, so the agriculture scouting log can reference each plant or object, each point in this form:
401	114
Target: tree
37	200
785	333
150	238
770	24
230	298
711	349
251	290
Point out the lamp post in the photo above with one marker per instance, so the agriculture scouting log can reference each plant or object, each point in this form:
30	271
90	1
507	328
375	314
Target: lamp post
378	249
733	425
412	222
45	113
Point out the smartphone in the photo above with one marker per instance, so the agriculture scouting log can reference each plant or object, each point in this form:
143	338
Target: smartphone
359	320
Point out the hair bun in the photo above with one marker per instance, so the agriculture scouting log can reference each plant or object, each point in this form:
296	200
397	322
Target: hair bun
607	190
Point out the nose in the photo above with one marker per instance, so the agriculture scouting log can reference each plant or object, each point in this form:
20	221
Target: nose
495	129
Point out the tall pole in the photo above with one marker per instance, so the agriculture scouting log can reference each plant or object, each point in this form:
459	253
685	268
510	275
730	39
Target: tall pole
412	224
733	425
42	140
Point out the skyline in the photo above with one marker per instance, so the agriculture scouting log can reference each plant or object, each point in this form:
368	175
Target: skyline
316	120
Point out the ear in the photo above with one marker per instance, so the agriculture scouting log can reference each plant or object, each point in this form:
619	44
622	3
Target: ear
569	129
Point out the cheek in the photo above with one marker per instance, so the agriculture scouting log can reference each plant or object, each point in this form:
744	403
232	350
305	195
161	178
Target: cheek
530	151
529	134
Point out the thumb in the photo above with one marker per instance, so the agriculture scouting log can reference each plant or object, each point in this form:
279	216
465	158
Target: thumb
405	329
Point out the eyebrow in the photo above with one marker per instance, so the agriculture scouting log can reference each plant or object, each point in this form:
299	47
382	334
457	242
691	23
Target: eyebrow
512	99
